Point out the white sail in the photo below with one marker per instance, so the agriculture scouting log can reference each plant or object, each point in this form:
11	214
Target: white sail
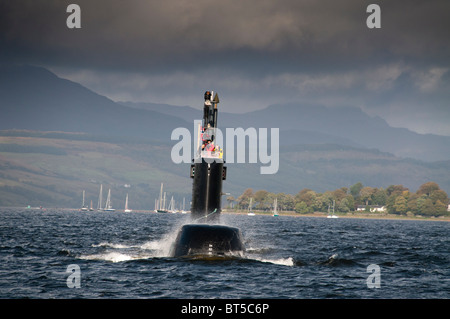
99	203
83	206
250	212
164	201
183	211
108	205
332	215
161	205
127	210
160	197
275	207
171	207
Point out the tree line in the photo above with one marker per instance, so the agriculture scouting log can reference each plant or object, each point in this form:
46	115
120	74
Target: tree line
428	200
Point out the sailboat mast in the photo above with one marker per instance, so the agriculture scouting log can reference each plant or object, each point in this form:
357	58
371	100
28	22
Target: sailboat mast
164	204
99	204
108	200
160	196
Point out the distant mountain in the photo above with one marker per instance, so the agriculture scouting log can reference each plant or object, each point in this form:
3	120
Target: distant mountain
33	98
317	124
355	125
52	170
127	143
324	167
182	112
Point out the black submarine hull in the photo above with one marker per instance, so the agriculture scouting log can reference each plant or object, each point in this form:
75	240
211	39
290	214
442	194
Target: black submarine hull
208	241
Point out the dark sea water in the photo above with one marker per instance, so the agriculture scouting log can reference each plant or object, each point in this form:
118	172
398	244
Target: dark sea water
125	255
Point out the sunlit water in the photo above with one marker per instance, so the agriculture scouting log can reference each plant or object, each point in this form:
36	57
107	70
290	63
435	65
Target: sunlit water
126	255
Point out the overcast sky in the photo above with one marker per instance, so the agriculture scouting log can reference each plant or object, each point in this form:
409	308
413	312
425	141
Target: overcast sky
254	53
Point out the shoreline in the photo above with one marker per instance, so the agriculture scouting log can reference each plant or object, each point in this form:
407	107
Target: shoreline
281	214
352	216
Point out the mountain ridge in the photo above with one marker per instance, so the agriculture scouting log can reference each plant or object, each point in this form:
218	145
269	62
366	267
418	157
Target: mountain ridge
58	136
324	125
34	98
53	170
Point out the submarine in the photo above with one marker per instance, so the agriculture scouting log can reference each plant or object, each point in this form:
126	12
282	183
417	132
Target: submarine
205	237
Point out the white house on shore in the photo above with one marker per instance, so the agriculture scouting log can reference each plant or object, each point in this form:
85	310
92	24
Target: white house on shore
372	209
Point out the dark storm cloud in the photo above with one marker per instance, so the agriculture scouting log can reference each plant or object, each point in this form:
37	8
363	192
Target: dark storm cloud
146	33
273	51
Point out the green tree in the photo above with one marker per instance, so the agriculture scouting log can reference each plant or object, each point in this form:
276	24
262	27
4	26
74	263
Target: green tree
350	202
289	203
366	194
432	200
322	200
427	188
343	205
301	208
285	201
244	200
355	190
440	208
400	204
379	197
420	204
439	195
412	203
230	201
395	190
340	194
261	198
306	195
428	208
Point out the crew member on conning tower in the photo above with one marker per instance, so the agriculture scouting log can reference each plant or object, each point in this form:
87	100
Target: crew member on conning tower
204	237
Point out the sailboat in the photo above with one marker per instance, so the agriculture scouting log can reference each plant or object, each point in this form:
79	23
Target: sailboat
162	207
127	210
172	206
100	195
183	211
91	208
250	212
108	206
84	208
332	215
275	206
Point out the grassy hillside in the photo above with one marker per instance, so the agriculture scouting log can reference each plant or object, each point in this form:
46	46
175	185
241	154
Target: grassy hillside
52	169
324	167
54	172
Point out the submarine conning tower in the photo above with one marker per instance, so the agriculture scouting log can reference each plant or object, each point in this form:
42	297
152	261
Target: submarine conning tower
208	170
204	237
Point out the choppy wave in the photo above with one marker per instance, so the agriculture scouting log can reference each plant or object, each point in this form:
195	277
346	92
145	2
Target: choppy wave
154	251
117	252
110	256
127	257
113	245
280	261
